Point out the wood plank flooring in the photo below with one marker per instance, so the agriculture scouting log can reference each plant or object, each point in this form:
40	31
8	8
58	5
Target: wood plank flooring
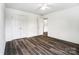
39	45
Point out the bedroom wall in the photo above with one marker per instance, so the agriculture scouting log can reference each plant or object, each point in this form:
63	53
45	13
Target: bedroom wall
20	24
64	24
2	29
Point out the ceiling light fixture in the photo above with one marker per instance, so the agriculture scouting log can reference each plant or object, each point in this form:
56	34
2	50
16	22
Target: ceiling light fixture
44	7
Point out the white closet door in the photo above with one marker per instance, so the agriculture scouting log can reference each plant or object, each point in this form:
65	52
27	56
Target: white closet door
23	26
12	25
15	27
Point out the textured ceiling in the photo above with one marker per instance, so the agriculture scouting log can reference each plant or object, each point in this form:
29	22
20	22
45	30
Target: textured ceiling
34	7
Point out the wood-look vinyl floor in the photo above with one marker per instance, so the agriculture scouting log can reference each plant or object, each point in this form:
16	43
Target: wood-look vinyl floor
39	45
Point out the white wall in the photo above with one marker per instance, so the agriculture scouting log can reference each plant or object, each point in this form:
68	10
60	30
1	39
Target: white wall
20	24
64	24
2	30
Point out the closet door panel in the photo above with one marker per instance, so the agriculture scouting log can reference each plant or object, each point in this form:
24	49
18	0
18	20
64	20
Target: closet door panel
23	26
